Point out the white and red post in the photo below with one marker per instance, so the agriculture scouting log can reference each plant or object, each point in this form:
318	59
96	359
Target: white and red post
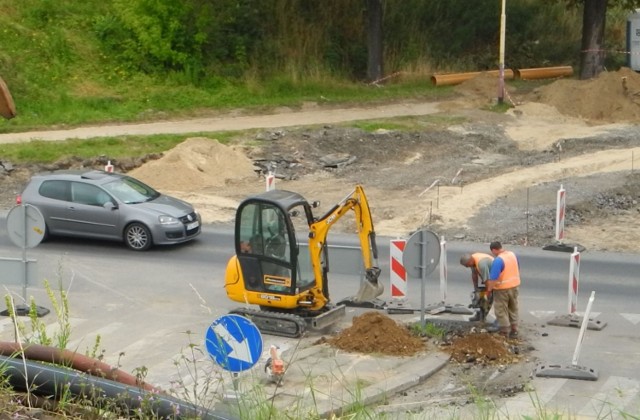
574	279
270	181
108	167
398	274
560	213
443	269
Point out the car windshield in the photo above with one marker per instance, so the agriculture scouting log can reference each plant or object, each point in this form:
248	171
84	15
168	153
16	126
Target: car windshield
131	191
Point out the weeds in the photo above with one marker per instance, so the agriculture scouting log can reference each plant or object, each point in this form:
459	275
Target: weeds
429	329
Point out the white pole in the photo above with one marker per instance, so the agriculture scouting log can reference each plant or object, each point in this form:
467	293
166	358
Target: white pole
443	269
583	328
503	24
560	213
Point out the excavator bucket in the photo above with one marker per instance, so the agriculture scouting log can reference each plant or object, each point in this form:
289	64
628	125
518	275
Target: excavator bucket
369	290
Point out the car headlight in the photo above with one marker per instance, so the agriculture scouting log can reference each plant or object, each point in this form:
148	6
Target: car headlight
168	220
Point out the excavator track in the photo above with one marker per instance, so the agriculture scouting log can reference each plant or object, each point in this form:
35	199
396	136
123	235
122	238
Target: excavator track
274	323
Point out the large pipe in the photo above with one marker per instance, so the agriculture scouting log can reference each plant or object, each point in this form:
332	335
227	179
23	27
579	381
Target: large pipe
73	360
544	72
7	107
457	78
50	381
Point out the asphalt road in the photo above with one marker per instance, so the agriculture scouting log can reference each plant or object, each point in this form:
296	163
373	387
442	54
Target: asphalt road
148	307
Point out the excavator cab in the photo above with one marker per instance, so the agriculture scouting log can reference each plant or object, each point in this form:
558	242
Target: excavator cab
281	261
267	247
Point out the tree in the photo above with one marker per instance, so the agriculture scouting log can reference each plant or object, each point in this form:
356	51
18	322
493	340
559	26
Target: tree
593	25
374	40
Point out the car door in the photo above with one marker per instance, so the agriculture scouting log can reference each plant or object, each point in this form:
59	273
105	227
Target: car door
92	212
52	200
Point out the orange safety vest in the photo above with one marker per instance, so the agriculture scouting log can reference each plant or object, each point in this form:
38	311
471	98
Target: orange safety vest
510	276
479	256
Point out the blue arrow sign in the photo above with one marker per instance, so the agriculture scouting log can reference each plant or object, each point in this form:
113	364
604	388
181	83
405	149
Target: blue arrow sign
234	342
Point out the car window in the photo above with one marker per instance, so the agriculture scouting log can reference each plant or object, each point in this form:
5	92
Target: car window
88	194
56	189
130	190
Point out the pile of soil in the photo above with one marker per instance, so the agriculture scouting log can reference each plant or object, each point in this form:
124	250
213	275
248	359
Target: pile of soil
373	332
196	163
481	348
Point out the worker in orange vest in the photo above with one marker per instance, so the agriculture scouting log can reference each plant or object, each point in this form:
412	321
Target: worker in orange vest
480	265
504	284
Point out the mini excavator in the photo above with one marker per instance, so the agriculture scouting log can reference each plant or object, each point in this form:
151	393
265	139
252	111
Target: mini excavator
288	281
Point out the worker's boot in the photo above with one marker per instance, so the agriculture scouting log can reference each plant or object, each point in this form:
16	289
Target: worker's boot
514	332
476	317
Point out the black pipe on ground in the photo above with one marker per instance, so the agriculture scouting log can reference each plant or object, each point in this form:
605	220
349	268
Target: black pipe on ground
50	381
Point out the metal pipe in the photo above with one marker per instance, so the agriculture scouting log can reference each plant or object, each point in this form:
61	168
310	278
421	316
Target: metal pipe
457	78
7	106
74	360
544	72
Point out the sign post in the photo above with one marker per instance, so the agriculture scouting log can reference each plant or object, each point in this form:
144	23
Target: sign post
26	228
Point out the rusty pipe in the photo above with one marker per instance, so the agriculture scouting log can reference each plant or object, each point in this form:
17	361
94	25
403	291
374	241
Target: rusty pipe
73	360
544	72
457	78
7	107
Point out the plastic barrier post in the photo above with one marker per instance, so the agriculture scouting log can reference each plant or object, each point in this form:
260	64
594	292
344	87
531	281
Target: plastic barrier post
271	182
560	213
108	167
574	279
398	274
443	269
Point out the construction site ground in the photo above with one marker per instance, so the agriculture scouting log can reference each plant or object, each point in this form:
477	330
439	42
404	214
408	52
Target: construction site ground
465	172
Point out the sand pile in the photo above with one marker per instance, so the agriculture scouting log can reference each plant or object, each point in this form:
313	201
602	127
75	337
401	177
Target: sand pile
611	97
196	164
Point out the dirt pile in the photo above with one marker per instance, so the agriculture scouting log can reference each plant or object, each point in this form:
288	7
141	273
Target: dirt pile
481	348
613	96
194	164
373	332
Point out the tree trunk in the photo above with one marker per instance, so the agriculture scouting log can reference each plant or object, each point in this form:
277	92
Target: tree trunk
374	40
592	52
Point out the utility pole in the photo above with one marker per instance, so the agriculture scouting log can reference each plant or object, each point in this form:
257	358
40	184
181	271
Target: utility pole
503	24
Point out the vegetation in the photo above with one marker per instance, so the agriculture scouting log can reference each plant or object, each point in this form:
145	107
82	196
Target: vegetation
71	63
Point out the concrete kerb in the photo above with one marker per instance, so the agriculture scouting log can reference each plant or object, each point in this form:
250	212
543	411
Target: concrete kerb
339	381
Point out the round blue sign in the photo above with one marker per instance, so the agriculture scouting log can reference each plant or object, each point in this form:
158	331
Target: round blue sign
234	342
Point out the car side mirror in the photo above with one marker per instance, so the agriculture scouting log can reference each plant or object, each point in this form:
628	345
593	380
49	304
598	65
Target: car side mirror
109	205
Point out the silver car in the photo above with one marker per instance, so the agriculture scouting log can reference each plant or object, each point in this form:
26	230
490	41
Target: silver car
105	205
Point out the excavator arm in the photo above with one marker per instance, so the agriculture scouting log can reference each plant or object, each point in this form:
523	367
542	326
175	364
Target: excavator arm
357	202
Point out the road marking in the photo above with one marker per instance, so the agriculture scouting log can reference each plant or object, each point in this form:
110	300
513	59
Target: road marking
633	318
613	398
542	314
528	403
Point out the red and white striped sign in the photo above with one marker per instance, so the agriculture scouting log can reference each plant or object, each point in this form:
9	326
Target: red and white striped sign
560	213
271	182
574	279
398	274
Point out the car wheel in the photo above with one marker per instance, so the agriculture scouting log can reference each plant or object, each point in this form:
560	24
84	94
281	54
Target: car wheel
137	237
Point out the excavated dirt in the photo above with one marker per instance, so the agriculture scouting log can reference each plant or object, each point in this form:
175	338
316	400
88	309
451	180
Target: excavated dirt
373	332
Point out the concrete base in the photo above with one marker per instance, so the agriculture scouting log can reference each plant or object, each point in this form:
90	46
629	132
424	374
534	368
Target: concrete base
24	310
441	307
568	372
576	322
560	247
